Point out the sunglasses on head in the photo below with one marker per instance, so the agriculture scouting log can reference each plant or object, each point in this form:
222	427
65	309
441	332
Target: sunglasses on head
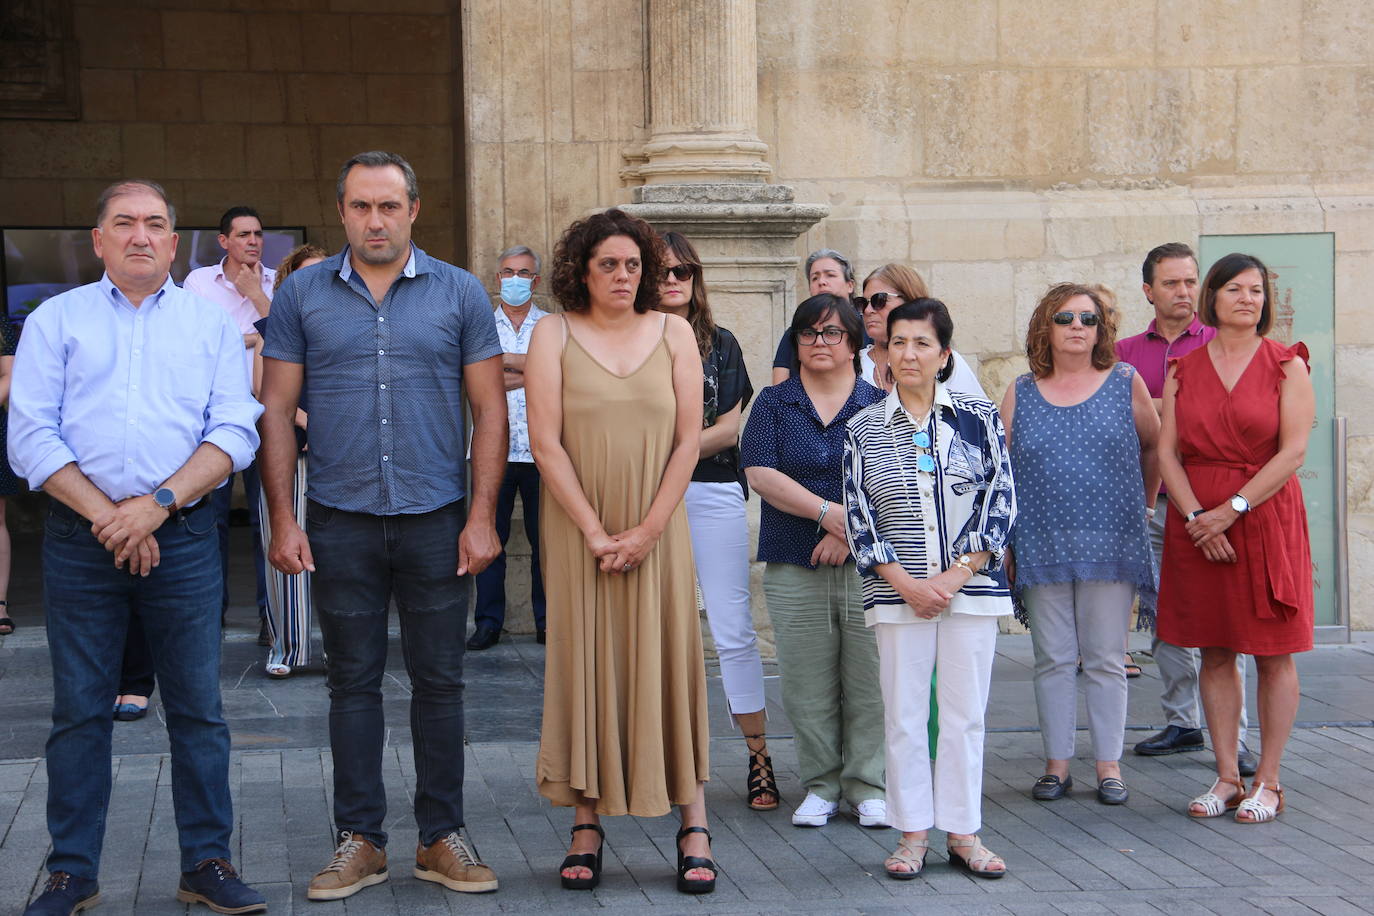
682	272
1089	319
877	301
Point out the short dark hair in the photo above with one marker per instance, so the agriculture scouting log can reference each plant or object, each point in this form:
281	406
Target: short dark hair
1039	355
819	306
934	311
1163	253
574	250
1223	272
127	186
226	222
377	159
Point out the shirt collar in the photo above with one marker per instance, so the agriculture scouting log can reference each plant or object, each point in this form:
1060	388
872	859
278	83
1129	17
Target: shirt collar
1194	328
417	263
533	315
892	403
116	296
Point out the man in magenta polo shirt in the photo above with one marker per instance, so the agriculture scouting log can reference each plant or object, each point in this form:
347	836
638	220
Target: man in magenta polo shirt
1170	278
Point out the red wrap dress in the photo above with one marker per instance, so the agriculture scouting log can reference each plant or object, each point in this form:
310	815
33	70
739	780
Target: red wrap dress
1262	604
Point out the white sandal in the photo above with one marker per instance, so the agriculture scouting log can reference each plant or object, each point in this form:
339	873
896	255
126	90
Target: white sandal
1212	804
1258	811
278	670
980	859
906	855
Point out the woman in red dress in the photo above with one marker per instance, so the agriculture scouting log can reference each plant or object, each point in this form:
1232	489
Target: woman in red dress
1237	574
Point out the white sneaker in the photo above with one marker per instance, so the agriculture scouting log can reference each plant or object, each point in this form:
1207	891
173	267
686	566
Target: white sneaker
814	811
871	813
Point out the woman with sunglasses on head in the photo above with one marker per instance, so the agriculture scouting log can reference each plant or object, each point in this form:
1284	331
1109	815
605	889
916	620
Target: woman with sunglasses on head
928	488
886	288
1237	573
715	510
792	453
1082	432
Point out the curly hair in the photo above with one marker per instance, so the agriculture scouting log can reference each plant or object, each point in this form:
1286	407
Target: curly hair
574	250
1038	353
1223	272
698	308
293	261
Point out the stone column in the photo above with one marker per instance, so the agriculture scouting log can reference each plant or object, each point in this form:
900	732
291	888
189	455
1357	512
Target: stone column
703	93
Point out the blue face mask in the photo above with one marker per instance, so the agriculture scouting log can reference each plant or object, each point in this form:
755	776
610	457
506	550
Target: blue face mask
516	290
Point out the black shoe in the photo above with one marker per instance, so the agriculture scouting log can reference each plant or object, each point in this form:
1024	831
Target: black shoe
65	894
1112	791
1245	761
130	712
484	637
216	884
588	860
264	634
539	636
1173	740
1051	788
691	863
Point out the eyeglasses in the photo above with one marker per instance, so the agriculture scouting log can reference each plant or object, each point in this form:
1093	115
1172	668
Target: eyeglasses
924	461
830	336
877	301
682	272
506	273
1089	319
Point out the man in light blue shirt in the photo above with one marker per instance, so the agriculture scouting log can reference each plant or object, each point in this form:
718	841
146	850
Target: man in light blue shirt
129	405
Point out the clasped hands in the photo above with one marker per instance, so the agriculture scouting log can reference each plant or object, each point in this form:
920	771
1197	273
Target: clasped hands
1208	532
623	552
929	598
126	530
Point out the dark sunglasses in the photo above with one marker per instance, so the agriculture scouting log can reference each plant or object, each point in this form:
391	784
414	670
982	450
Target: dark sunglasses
877	301
1089	319
682	272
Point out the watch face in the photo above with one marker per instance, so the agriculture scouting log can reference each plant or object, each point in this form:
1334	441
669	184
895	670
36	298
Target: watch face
165	498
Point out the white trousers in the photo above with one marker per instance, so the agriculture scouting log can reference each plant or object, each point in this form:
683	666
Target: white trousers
960	648
720	547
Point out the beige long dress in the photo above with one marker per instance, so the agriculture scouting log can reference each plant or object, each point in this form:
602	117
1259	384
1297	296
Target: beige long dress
625	719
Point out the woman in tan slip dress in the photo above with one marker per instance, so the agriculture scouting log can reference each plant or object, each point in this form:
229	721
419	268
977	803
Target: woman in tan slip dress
614	398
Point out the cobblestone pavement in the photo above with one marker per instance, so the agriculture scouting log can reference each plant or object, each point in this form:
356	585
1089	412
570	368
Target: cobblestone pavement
1071	856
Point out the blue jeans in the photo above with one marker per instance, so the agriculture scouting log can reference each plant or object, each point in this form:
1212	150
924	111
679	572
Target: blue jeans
523	478
362	562
220	502
88	604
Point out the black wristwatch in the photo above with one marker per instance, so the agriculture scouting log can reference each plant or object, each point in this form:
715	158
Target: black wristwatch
165	498
1195	513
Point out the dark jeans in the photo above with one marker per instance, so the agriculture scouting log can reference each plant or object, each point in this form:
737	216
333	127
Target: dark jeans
523	478
221	501
87	603
362	562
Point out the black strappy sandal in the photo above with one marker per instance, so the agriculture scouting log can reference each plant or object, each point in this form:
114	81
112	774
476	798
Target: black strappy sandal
6	622
761	779
588	860
688	863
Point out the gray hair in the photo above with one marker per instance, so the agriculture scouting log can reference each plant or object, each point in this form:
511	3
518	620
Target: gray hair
516	250
832	254
377	159
128	186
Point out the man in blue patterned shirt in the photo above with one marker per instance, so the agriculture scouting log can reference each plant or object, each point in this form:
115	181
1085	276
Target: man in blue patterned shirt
391	341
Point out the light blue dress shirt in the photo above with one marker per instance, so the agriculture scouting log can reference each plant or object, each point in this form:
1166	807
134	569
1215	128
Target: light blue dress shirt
128	393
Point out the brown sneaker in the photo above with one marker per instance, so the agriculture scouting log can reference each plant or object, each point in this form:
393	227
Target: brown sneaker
357	864
452	862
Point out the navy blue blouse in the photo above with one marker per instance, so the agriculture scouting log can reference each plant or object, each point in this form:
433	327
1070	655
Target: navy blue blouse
785	433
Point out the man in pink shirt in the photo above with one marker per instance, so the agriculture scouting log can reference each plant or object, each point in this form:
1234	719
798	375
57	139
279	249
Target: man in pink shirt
242	286
1170	276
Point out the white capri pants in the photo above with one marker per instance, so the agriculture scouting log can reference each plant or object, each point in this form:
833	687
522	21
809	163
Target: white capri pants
720	547
960	648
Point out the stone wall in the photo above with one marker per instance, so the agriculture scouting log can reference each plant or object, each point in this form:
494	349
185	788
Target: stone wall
244	102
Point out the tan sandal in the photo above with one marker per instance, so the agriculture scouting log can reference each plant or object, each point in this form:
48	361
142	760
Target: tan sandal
1258	811
1212	804
906	855
979	861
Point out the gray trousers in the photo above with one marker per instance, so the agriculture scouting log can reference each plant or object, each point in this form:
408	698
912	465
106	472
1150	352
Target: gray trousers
1069	621
1178	666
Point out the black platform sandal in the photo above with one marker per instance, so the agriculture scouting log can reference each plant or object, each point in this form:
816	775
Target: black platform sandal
761	779
688	863
588	860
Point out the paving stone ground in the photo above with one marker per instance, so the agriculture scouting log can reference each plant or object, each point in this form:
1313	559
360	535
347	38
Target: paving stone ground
1071	856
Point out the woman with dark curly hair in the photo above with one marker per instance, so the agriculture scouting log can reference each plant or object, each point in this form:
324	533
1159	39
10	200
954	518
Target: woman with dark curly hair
614	397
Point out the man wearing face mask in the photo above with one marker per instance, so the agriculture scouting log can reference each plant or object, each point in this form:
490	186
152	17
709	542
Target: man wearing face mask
515	319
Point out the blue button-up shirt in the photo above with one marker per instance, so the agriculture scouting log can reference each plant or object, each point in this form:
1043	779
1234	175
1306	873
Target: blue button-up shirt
386	400
785	433
128	393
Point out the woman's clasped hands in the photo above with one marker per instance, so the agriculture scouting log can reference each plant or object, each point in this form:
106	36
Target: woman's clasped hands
623	552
